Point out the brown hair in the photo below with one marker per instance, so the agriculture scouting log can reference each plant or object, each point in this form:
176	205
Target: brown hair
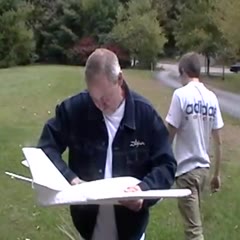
190	65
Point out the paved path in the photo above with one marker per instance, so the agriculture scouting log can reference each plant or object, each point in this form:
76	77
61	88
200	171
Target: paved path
174	68
229	102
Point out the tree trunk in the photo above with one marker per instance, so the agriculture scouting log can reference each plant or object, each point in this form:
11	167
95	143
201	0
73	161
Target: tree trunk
205	65
208	65
134	62
223	71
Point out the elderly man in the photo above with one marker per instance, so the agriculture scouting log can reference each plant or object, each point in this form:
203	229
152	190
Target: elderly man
194	116
110	131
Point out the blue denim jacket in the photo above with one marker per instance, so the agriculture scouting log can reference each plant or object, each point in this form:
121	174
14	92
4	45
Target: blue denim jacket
140	149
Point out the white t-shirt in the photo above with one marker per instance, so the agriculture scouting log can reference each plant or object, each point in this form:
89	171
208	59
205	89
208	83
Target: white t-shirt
106	226
195	111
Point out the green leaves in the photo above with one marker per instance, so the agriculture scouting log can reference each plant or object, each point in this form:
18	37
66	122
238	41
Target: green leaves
50	28
195	30
226	16
59	24
138	30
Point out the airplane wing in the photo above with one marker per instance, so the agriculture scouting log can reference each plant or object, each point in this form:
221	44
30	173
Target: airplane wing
150	194
111	191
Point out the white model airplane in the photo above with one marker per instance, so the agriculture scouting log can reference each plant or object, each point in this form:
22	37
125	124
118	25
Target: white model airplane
52	188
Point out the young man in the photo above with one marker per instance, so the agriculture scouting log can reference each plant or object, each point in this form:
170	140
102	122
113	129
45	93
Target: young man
107	132
194	116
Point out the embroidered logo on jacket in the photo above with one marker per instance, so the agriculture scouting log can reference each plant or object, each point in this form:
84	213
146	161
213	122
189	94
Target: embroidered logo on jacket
136	143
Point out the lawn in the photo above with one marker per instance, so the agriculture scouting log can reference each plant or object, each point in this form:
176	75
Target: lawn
28	97
231	82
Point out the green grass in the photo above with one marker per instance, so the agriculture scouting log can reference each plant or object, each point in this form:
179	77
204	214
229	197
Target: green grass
26	96
231	82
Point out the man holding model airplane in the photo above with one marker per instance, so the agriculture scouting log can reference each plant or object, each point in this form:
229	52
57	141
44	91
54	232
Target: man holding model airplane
110	131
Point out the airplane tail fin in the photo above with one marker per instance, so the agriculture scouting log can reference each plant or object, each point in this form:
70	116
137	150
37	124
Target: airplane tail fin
43	171
46	180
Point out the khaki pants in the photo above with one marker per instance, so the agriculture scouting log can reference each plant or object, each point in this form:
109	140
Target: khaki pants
189	206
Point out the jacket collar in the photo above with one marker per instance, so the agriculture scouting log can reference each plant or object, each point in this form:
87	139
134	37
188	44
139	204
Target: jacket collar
129	114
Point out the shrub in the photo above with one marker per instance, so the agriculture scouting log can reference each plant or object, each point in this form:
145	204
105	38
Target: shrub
78	54
122	54
16	38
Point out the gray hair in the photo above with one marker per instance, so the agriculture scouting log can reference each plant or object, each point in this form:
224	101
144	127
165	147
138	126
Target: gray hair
190	64
102	61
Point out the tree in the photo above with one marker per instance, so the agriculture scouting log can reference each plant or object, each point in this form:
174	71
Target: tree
16	38
99	17
57	26
195	30
167	15
226	17
138	30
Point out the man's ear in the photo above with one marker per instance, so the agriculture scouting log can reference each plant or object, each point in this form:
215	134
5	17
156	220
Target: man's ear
181	71
120	79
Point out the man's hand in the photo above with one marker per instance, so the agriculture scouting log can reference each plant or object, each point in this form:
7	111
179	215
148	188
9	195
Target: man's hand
76	181
215	184
134	205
